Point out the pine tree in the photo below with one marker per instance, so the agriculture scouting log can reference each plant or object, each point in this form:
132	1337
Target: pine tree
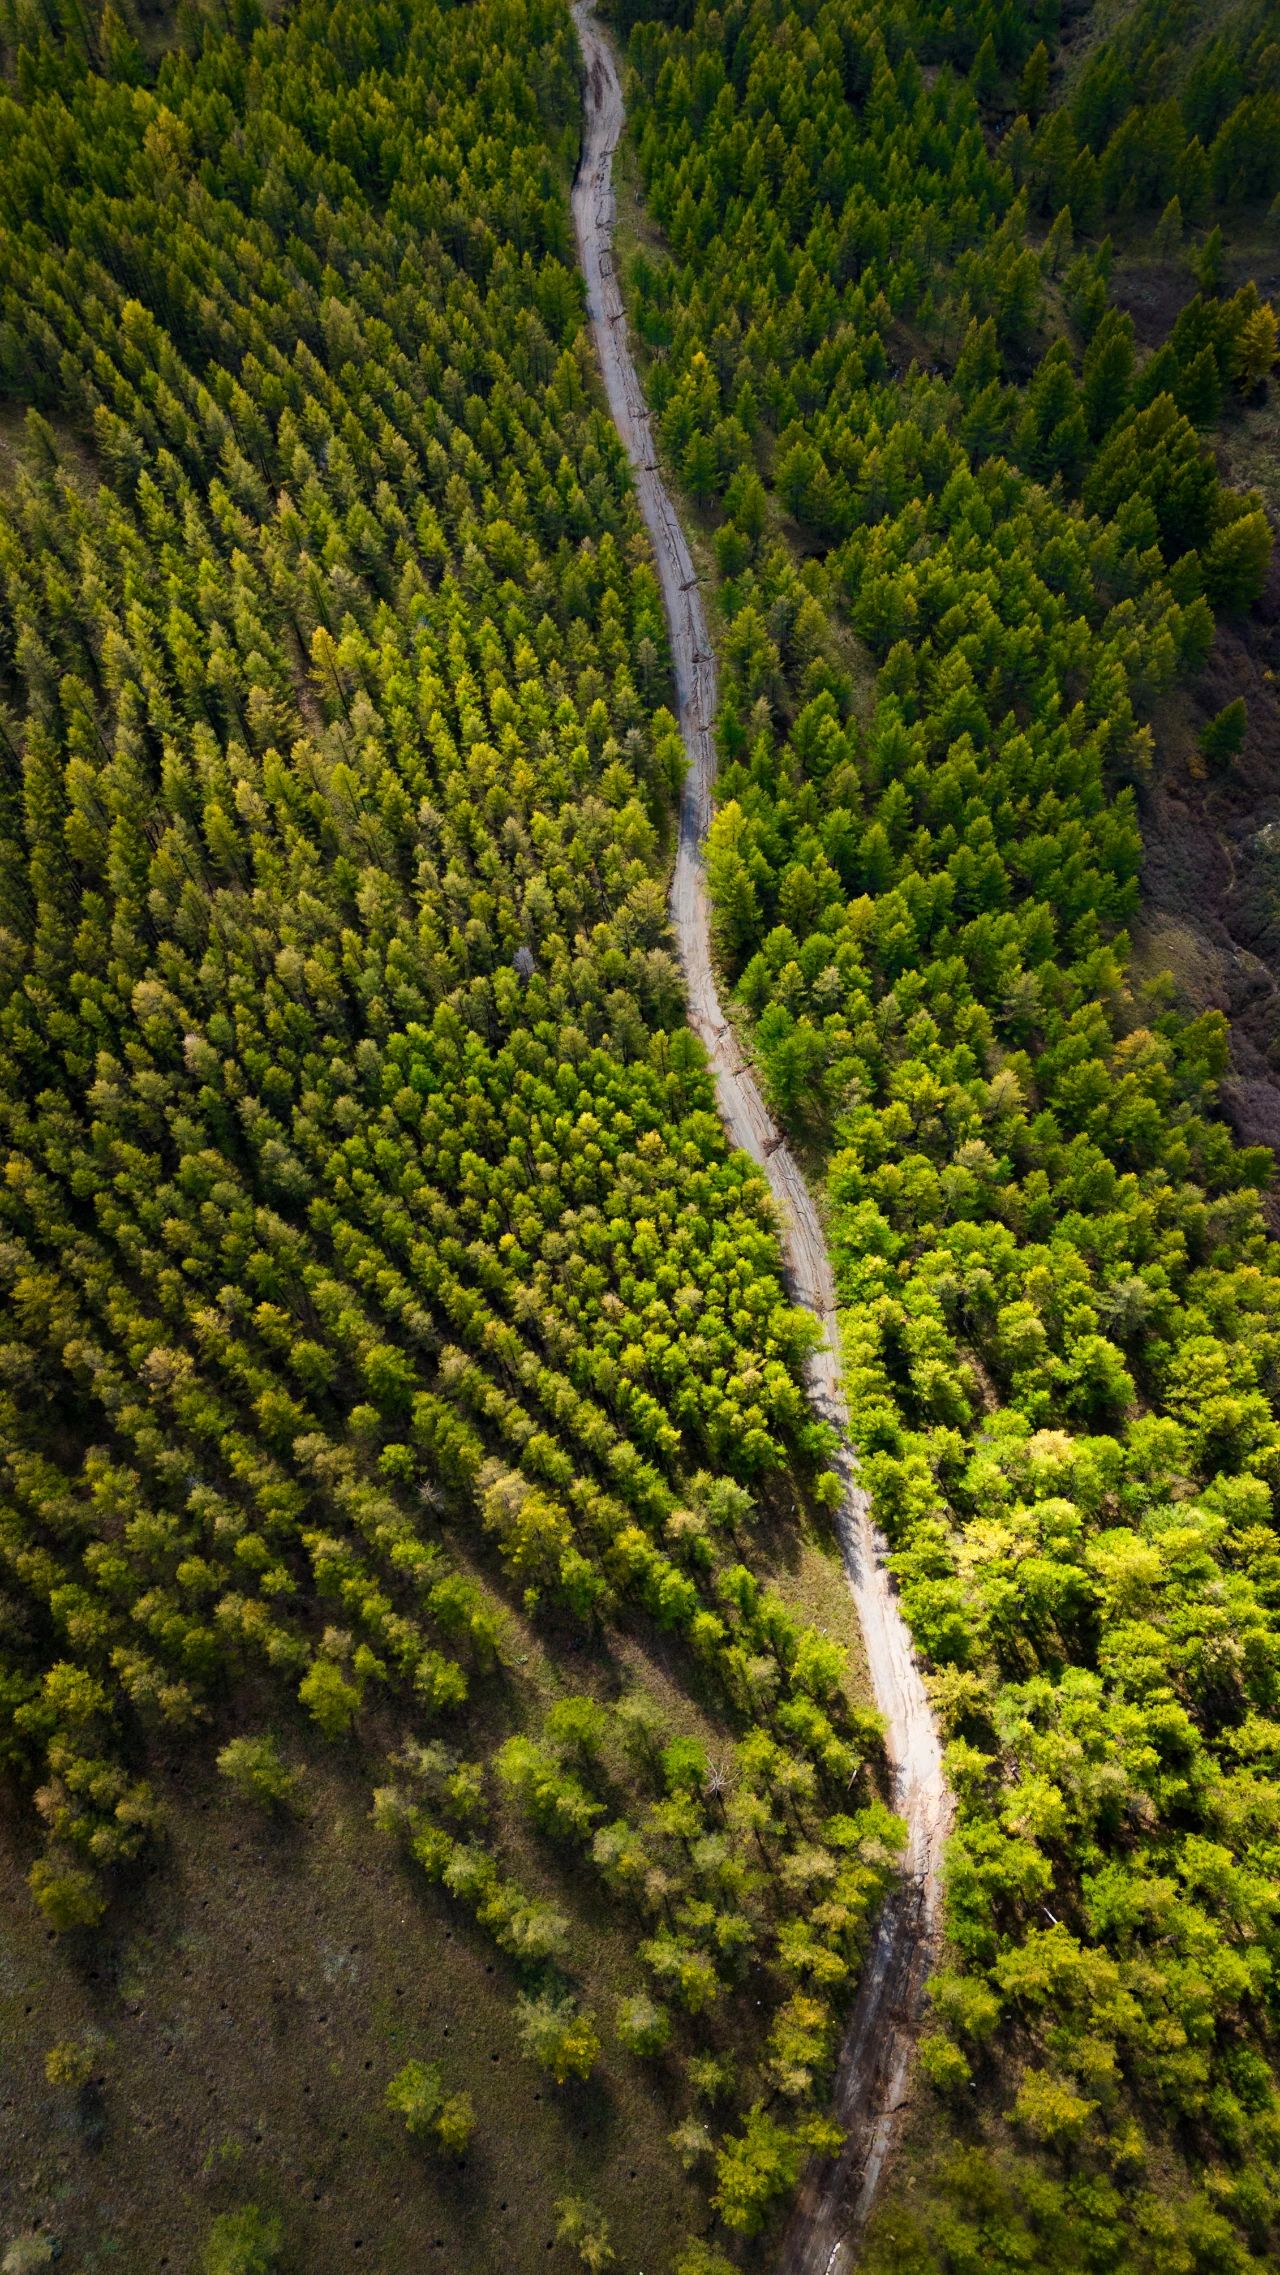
1255	349
1167	238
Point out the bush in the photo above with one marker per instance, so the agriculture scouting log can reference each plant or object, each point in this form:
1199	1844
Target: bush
1050	2109
585	2229
456	2122
68	1895
698	2258
258	1772
643	2026
69	2064
27	2254
332	1702
416	2094
1235	562
759	2166
246	2242
944	2064
554	2034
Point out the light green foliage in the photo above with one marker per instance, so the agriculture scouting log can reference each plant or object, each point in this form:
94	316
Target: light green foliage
360	705
994	542
556	2035
69	2064
642	2026
28	2254
583	2227
68	1898
332	1702
247	2242
1222	738
944	2063
1050	2109
1176	112
416	2094
456	2122
374	1271
257	1771
371	1250
699	2258
1255	349
762	2164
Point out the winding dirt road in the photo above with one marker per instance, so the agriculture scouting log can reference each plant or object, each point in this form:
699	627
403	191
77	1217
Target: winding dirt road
836	2197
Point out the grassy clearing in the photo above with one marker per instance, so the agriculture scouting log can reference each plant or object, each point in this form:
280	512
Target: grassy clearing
245	2012
250	1996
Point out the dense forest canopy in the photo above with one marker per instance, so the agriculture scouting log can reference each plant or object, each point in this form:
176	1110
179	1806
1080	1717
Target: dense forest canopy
964	535
375	1269
384	1313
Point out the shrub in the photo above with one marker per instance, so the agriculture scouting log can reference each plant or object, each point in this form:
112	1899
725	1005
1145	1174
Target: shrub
416	2094
456	2122
246	2242
68	1895
257	1771
761	2164
1050	2109
1222	738
698	2258
643	2026
332	1702
27	2254
69	2064
584	2228
1235	562
556	2035
943	2063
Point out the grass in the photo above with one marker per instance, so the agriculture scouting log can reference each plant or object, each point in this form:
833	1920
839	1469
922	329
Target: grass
1250	448
251	1993
246	2012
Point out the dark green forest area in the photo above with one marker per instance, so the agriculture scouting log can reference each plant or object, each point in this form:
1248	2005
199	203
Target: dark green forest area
965	535
411	1516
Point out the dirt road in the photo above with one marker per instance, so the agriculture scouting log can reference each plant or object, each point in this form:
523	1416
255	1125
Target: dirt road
837	2195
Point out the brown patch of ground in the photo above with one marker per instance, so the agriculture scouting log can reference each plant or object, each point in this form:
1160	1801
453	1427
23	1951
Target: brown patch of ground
1156	292
246	2004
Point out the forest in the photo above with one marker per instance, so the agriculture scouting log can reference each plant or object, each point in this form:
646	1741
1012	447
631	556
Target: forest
409	1494
379	1286
964	536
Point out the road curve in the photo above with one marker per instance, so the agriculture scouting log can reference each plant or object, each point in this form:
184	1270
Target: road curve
836	2196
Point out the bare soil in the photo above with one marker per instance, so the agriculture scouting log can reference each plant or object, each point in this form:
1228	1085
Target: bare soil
1156	292
246	2002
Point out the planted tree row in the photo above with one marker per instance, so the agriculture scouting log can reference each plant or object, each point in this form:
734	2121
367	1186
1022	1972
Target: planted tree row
375	1272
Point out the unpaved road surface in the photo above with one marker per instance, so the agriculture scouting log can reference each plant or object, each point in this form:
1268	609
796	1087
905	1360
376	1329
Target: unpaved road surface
837	2195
